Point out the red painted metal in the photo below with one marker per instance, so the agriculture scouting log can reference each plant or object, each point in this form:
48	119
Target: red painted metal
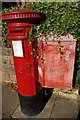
26	67
56	67
30	16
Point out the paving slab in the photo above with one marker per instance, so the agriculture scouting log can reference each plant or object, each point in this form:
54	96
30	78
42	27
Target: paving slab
9	101
65	108
45	113
58	106
78	117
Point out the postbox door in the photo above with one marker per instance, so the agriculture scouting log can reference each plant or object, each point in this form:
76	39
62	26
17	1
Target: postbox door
25	67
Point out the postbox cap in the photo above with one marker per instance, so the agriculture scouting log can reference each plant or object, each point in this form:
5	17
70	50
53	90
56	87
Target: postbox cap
23	14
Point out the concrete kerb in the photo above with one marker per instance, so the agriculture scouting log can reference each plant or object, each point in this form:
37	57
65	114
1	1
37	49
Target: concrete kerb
45	113
57	100
51	106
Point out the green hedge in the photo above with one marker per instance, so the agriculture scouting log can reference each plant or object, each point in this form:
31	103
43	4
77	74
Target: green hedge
61	18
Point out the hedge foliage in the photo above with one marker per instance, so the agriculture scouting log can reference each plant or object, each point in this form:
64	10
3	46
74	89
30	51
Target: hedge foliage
61	18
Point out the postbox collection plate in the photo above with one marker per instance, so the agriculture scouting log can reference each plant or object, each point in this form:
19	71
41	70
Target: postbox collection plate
17	48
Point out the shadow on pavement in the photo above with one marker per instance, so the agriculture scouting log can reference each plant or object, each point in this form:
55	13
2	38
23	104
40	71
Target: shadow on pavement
47	93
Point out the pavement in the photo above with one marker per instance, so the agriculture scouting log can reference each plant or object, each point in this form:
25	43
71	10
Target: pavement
58	105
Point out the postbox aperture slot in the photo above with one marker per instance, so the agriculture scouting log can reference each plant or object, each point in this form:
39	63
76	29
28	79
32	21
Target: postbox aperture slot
17	31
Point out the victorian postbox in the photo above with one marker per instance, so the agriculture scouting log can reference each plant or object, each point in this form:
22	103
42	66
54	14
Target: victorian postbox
26	66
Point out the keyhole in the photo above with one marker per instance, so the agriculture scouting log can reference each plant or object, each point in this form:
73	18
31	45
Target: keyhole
30	65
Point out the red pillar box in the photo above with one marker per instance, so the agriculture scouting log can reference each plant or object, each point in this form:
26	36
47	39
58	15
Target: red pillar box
56	64
26	66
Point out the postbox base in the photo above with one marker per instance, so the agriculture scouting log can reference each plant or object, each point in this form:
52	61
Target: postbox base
32	105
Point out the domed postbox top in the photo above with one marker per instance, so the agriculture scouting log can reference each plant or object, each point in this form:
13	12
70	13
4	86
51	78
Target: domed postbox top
23	14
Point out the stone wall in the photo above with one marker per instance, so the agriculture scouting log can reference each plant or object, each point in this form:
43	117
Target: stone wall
8	73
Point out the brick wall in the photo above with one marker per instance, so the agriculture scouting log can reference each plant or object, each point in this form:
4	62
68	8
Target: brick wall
8	73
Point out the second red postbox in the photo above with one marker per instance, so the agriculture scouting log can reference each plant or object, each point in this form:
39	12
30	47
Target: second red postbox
26	66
